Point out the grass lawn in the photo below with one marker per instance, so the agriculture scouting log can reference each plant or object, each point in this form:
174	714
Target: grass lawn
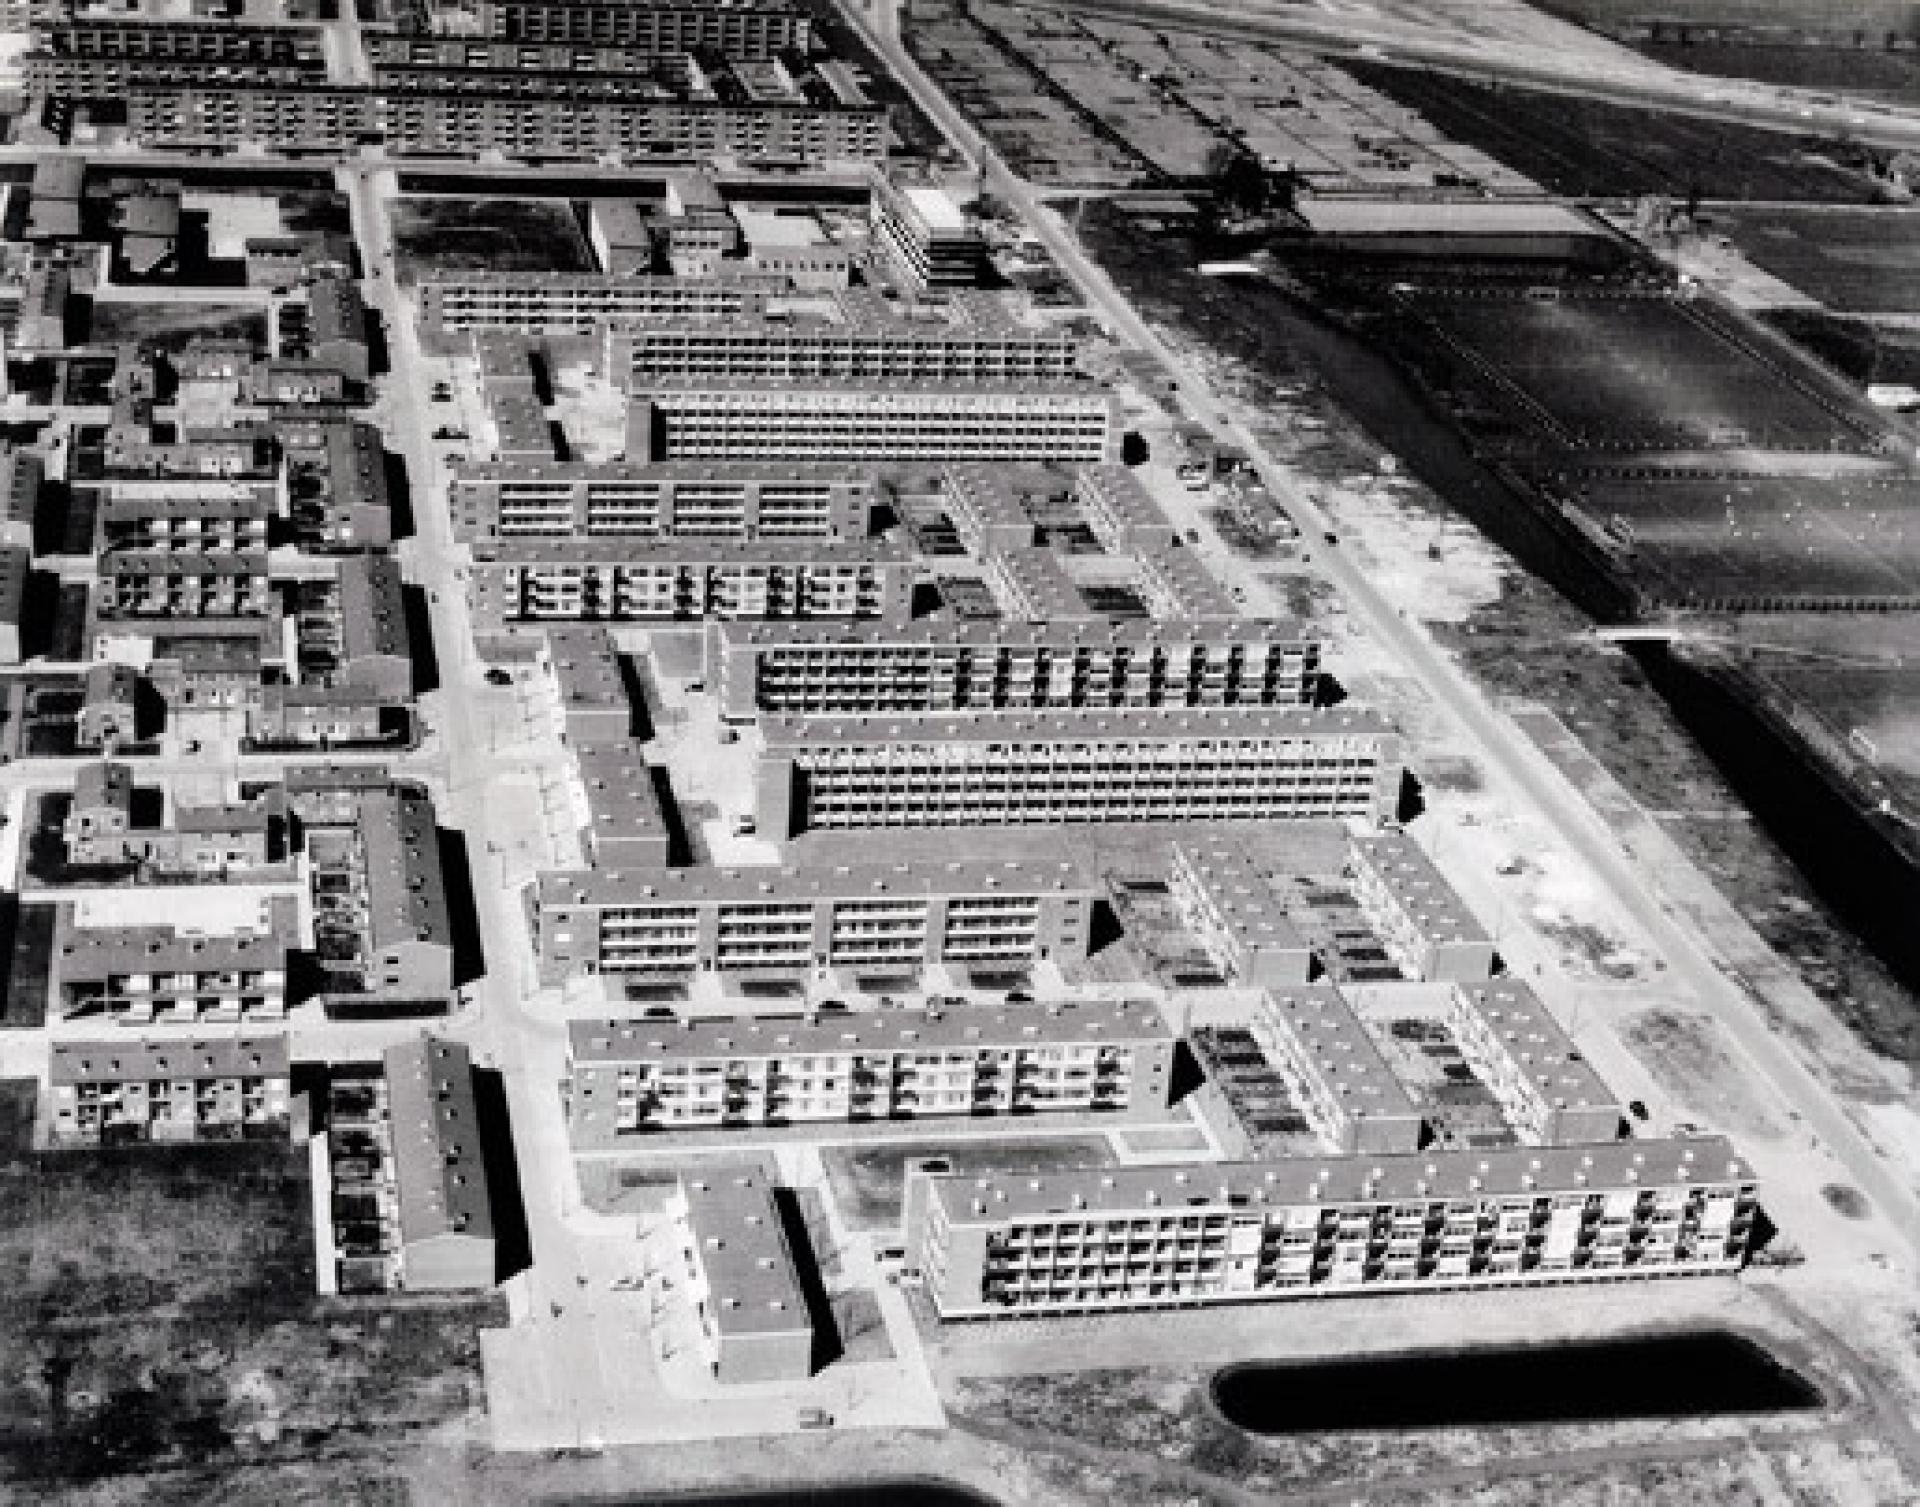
869	1181
157	1311
495	235
172	325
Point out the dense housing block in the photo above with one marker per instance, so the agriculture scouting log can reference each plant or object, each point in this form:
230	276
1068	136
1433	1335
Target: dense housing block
1010	1245
165	974
841	669
728	28
631	1077
207	1089
927	236
537	303
800	924
969	769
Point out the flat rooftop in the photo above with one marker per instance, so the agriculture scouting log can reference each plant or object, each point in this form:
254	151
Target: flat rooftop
801	886
1387	217
735	1229
1526	1031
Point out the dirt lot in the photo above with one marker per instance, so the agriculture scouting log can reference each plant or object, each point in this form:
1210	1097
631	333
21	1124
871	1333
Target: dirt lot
1586	148
495	235
868	1181
158	1312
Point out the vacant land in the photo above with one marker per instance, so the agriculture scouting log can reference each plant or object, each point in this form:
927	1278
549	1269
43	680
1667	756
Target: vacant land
1740	538
157	1310
1869	72
1691	1058
171	327
29	957
1860	350
869	1181
1854	261
493	235
1631	373
1583	147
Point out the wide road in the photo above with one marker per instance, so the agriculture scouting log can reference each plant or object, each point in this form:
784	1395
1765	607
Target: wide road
1504	749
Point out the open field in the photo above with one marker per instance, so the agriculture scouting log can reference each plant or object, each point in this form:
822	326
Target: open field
1741	539
1868	72
1632	373
497	235
868	1181
170	326
1584	148
158	1311
1854	261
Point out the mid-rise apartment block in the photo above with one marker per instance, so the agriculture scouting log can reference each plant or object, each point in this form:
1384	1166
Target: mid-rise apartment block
16	566
803	924
171	514
969	769
1030	585
1334	1072
1423	924
813	349
1121	512
374	649
444	1207
926	235
682	579
693	499
986	514
141	975
1225	902
538	303
1548	1091
210	1089
1130	1238
1176	583
760	30
168	583
862	669
401	898
634	1077
740	1277
734	419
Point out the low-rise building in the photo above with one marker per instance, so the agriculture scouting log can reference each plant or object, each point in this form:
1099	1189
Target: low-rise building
1224	900
318	716
207	1089
169	975
794	247
22	473
337	485
1424	925
1547	1089
445	1209
337	317
632	1077
223	516
1130	1238
164	583
1175	583
1310	1035
972	769
1030	585
16	569
409	929
740	1276
804	924
110	708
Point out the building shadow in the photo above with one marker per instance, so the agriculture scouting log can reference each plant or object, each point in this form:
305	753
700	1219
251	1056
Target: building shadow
512	1245
463	907
827	1345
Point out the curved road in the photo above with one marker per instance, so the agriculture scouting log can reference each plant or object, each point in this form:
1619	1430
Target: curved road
1499	744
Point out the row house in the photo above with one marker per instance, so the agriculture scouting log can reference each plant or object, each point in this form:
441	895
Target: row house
207	1089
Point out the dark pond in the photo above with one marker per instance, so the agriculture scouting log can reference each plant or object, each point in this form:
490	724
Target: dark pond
1686	1375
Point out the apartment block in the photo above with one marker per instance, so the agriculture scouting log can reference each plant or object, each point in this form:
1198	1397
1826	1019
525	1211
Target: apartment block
863	669
213	516
222	840
633	1077
140	975
16	566
704	499
610	580
337	485
1424	925
444	1209
968	769
166	583
1548	1091
1334	1072
319	716
578	303
927	237
802	924
212	1089
110	709
725	27
402	898
1175	583
687	418
1224	900
1030	585
806	349
740	1277
985	512
375	650
22	474
1131	1238
1121	511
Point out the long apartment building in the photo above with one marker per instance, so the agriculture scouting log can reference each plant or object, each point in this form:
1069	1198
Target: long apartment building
170	583
703	499
110	1092
535	117
1030	585
1224	900
740	1276
812	349
91	58
171	514
627	1078
732	29
598	580
1121	512
735	419
1425	927
844	669
164	974
1547	1089
1333	1071
1130	1238
801	924
968	769
578	302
